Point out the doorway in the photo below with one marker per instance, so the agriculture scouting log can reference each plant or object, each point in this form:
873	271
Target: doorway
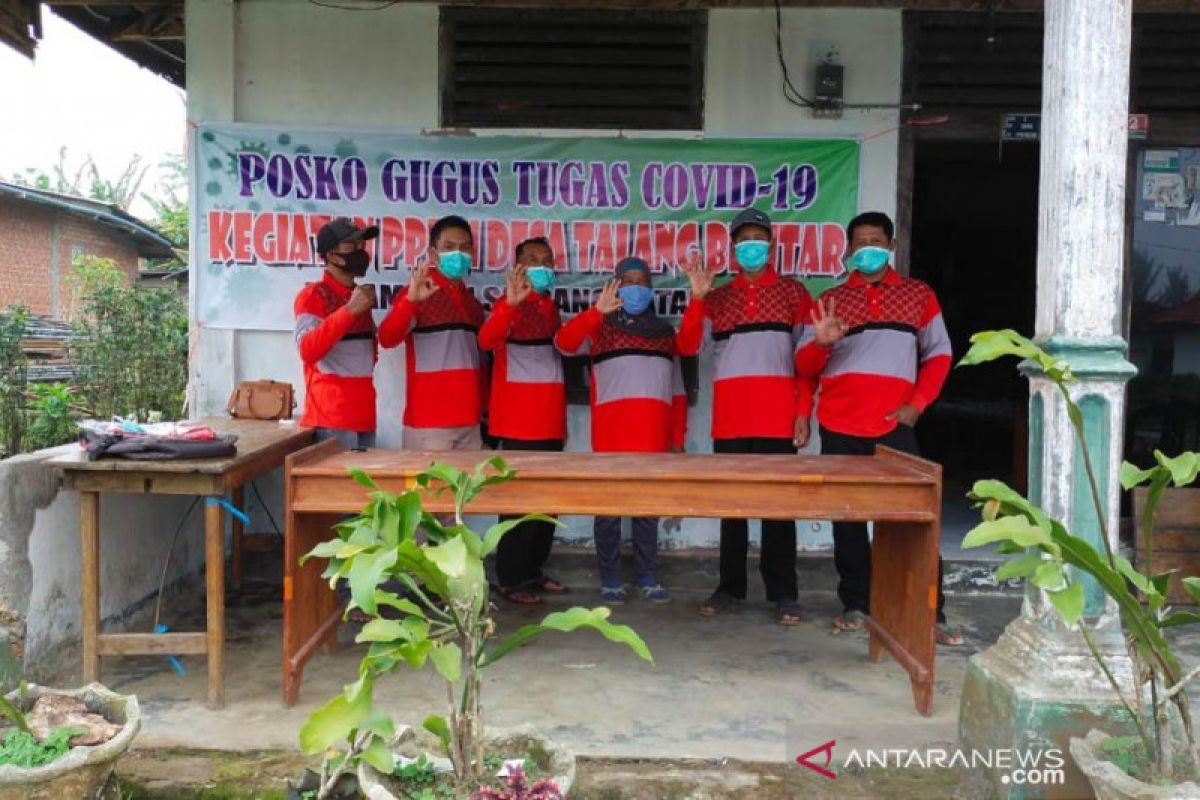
974	241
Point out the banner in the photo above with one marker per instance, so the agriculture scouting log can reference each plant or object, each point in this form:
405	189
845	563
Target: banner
261	195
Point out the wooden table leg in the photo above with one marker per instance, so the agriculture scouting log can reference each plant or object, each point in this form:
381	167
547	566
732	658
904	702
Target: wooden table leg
89	539
310	608
238	499
904	568
214	569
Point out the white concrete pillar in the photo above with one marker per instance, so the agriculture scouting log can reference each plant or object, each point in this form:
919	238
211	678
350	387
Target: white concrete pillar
1038	685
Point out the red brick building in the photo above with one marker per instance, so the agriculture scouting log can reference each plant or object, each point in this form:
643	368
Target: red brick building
41	233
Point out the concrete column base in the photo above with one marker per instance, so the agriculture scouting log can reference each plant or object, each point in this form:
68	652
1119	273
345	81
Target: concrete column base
1033	690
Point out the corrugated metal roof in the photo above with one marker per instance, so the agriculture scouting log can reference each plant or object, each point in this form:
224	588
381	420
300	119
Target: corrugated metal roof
150	243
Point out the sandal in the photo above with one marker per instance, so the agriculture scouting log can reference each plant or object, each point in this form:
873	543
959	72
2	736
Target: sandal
614	595
719	603
853	620
548	585
519	596
948	635
787	612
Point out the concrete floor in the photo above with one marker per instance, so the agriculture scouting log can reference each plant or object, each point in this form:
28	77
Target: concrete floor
738	686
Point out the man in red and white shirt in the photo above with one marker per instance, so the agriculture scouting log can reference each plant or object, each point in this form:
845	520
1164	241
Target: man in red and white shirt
880	352
753	322
335	336
438	319
527	404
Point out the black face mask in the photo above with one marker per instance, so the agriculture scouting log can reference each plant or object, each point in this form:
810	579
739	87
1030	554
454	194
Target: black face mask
355	262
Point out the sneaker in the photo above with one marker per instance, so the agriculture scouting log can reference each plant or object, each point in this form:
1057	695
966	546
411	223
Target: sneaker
614	595
655	593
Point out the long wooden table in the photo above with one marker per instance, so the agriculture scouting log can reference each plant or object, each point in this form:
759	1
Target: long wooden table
900	493
261	447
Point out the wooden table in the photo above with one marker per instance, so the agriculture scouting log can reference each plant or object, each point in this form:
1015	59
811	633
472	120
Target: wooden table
261	447
900	493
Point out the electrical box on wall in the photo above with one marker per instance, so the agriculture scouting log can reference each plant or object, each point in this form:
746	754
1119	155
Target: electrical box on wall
828	91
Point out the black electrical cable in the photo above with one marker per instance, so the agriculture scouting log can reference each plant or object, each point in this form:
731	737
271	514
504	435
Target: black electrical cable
380	7
790	92
266	508
167	563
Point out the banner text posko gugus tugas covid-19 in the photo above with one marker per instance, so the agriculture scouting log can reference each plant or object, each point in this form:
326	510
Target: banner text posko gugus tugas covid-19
262	195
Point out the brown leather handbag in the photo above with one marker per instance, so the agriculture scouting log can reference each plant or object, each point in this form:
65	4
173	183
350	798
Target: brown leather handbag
262	400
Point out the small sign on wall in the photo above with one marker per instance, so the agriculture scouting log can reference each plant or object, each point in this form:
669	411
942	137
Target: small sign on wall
1028	127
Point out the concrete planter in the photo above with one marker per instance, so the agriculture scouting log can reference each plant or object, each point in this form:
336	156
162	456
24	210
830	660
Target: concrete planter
557	761
1110	782
84	771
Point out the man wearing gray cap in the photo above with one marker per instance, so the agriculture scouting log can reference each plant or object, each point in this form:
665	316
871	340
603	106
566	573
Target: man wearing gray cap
753	323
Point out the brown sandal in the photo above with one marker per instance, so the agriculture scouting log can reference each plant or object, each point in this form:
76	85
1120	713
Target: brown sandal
518	596
549	585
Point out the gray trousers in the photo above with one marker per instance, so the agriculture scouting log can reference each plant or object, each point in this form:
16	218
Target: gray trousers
607	531
348	439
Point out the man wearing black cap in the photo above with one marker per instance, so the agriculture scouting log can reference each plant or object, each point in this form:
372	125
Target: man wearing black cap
753	322
335	335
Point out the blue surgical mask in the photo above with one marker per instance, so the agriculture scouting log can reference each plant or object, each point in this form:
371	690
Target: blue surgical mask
540	278
751	255
870	260
635	298
454	265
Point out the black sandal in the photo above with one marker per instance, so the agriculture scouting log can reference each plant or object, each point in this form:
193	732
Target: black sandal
719	603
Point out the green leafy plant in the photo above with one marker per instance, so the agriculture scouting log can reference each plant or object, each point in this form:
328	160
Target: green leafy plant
130	345
444	621
20	749
1052	558
51	415
14	378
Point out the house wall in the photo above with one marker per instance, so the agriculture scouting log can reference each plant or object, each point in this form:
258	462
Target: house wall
39	245
269	62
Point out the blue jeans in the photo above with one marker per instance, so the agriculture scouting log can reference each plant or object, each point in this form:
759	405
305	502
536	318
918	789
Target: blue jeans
607	531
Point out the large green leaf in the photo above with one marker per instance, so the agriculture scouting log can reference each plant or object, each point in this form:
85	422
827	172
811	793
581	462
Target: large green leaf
1069	603
570	620
379	756
1191	584
411	559
334	721
450	557
1176	618
363	478
1049	576
1019	567
1009	500
382	630
1017	530
991	345
323	550
447	660
440	728
366	573
1138	580
1183	467
379	724
1130	476
393	600
409	506
491	539
415	653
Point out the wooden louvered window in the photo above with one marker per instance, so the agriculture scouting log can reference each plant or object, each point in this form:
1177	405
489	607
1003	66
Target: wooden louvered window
550	68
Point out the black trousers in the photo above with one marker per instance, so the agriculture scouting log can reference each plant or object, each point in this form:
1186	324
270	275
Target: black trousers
523	550
777	561
851	546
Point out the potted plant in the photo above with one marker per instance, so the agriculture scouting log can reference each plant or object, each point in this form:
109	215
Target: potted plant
1043	550
63	744
444	620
